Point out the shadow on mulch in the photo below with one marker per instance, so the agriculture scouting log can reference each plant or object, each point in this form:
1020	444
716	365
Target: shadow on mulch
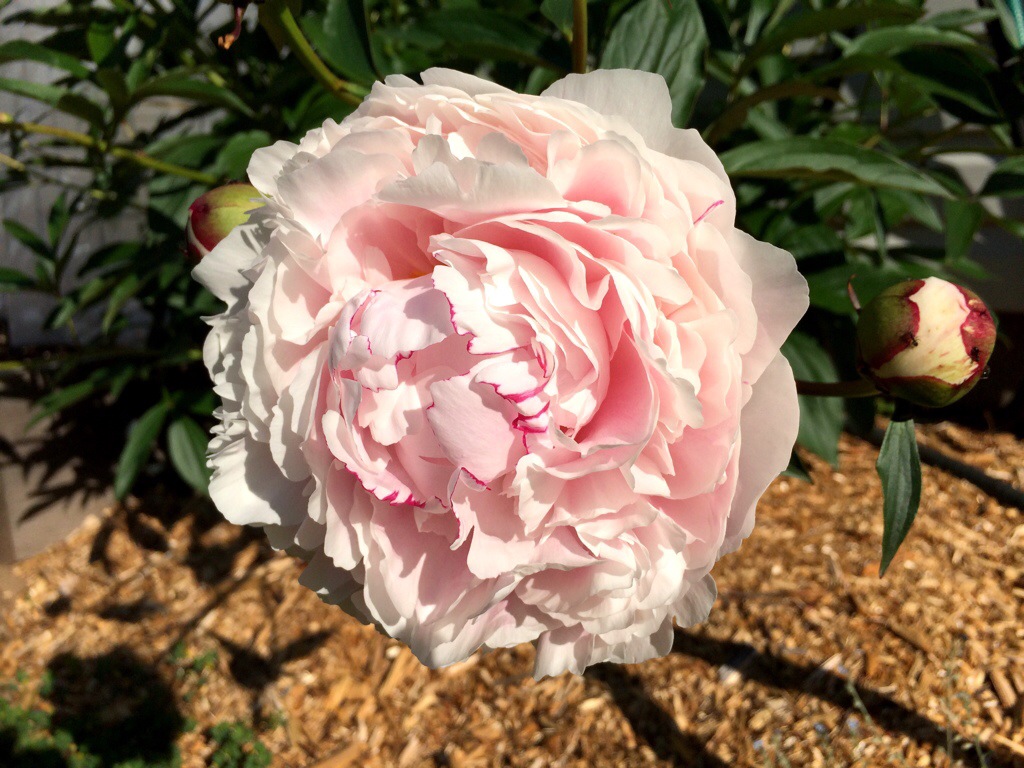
774	672
652	724
255	671
107	710
115	705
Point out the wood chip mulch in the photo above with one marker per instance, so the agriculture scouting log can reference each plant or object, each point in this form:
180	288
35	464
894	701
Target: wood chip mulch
808	659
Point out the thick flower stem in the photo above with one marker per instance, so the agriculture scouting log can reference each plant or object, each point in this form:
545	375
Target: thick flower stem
579	36
860	388
123	153
279	21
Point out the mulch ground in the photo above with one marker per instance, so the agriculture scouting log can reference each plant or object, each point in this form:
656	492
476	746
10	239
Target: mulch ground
808	659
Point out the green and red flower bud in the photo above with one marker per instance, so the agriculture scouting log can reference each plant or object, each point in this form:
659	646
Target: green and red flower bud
213	215
926	341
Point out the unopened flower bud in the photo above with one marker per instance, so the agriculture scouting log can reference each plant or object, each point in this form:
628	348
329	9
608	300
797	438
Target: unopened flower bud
927	341
213	215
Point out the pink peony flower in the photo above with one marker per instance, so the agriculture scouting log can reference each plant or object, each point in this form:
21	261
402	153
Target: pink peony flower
501	368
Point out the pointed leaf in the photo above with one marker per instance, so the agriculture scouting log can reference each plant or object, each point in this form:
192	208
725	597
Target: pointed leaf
346	40
899	467
56	96
13	280
24	50
822	21
1007	180
233	158
58	219
181	83
827	159
28	238
668	39
139	445
186	445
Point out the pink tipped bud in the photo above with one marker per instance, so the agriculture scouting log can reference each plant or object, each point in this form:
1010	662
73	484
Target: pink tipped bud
213	215
927	341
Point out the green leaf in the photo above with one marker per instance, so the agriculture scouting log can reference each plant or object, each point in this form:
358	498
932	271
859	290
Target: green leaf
57	97
234	157
814	240
44	92
13	280
559	13
100	39
899	205
63	397
23	50
961	19
186	445
346	40
79	106
58	219
827	159
899	467
956	80
138	447
890	40
119	296
28	238
188	149
1007	180
736	113
61	314
483	33
66	396
668	39
116	87
180	82
963	217
821	418
823	21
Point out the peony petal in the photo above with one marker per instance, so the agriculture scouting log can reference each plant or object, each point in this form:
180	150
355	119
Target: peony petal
642	99
469	84
249	489
780	296
472	424
768	428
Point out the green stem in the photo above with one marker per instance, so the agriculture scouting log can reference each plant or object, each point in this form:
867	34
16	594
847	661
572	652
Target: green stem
860	388
133	155
15	165
579	36
280	23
